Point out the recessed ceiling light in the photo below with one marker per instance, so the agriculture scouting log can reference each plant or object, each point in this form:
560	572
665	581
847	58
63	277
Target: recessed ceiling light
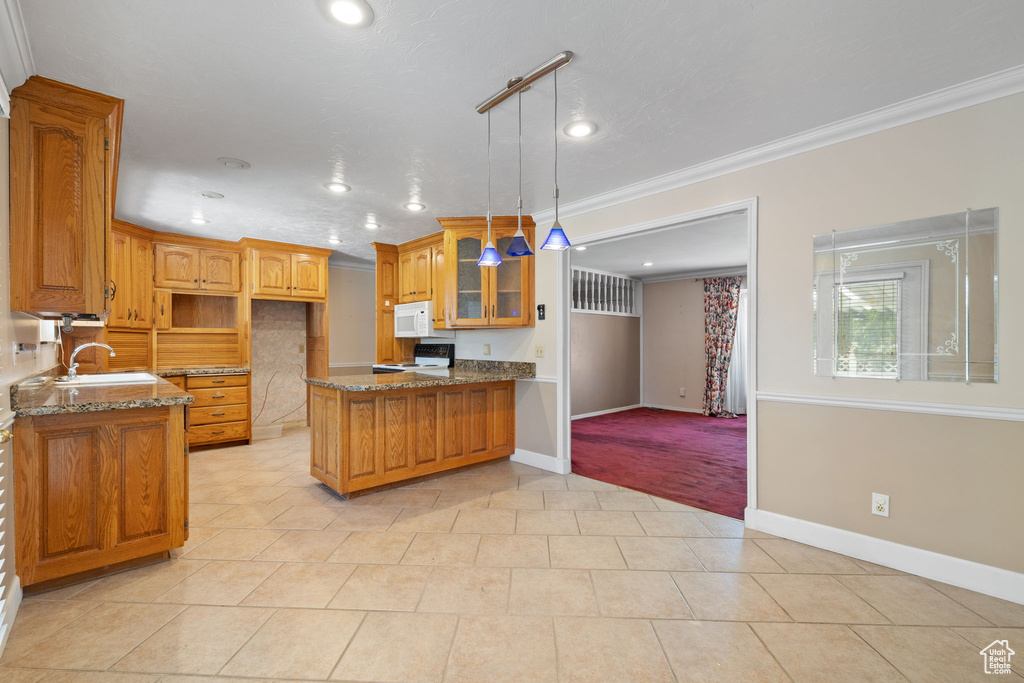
232	163
647	264
209	194
337	187
353	13
200	221
415	206
581	248
334	240
580	129
372	226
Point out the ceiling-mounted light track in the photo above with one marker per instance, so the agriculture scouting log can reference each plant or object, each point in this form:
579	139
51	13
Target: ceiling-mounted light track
520	84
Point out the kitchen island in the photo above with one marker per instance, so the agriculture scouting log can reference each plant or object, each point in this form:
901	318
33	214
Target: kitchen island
373	431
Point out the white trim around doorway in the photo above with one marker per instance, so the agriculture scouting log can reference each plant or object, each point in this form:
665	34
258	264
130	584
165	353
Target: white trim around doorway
564	286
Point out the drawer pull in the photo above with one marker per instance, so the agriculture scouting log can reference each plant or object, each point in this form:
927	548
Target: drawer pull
217	414
217	381
218	396
220	432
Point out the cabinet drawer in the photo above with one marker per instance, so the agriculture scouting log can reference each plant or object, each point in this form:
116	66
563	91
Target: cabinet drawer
204	381
218	414
228	431
217	397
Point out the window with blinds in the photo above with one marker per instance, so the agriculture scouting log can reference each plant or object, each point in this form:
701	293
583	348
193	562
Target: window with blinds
868	329
597	292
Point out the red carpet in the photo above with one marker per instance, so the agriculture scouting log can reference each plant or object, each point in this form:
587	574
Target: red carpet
683	457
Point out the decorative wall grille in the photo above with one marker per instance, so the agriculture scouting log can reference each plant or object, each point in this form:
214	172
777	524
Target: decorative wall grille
597	292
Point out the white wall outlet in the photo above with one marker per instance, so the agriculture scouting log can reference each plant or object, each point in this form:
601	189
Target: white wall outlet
682	392
487	349
880	504
539	352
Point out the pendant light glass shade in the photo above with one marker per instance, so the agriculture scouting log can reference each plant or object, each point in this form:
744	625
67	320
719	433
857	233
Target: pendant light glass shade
556	241
519	245
490	257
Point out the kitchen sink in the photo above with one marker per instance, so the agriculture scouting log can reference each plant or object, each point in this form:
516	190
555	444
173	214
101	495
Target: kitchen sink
109	378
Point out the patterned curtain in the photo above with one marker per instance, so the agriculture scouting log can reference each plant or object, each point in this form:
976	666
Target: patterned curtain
721	298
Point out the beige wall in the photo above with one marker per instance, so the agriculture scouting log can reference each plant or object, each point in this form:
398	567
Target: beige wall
351	316
535	416
605	362
973	157
674	343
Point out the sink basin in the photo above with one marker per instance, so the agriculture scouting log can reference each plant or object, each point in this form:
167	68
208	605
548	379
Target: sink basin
109	378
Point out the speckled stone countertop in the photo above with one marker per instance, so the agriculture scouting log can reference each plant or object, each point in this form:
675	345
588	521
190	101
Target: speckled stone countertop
464	372
181	372
40	396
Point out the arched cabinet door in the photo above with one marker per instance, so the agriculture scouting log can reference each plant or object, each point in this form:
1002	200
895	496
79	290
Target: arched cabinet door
271	273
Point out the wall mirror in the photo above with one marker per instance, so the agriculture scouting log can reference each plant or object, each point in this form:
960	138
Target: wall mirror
909	301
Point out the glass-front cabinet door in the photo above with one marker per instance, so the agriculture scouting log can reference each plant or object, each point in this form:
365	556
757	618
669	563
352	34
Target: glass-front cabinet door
471	295
509	306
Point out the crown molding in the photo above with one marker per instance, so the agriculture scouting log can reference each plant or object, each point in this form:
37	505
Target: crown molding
740	271
16	63
967	94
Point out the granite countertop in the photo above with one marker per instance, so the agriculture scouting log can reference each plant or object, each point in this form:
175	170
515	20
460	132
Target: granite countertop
181	372
42	397
464	372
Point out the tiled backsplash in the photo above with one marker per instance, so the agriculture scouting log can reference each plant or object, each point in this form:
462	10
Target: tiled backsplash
278	346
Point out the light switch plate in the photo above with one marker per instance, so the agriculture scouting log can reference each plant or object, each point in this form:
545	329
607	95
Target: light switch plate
539	352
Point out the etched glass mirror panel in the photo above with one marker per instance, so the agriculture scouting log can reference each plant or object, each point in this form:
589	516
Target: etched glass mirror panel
914	300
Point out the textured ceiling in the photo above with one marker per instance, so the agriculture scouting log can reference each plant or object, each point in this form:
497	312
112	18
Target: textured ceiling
390	109
700	247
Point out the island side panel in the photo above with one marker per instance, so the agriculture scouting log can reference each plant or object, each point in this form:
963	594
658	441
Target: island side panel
364	439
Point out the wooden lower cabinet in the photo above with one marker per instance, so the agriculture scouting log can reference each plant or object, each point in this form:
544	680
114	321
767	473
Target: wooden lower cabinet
220	411
364	439
96	489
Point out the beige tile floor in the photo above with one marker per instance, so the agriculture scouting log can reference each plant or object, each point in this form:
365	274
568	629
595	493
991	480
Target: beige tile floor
502	573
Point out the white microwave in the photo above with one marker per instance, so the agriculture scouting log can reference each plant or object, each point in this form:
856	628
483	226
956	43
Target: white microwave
417	320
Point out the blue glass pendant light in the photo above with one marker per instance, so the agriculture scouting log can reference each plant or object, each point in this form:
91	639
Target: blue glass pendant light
490	256
519	245
556	241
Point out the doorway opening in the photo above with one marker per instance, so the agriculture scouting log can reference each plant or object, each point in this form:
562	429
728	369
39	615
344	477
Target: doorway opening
659	358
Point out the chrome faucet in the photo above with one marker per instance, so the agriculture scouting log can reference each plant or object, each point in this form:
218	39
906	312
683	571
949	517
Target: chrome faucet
73	369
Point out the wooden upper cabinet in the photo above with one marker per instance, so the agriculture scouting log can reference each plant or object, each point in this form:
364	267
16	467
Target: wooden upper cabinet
177	267
437	285
142	282
130	275
63	173
501	296
220	270
406	278
421	263
415	270
272	272
309	276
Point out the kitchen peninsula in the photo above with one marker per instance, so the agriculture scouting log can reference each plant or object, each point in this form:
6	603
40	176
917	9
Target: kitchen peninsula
371	431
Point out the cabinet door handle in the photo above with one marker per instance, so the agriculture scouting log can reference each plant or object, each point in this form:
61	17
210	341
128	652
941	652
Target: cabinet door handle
217	414
161	309
136	314
196	280
492	312
204	282
217	381
113	290
129	313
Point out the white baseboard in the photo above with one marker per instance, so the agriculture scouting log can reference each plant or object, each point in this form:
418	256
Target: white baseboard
13	602
539	460
678	410
606	412
982	578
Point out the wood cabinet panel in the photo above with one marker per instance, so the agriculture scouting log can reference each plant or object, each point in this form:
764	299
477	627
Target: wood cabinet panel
119	262
272	273
437	286
502	416
406	278
132	348
197	349
220	270
387	280
217	414
142	504
216	433
398	431
215	381
96	489
425	432
362	436
477	420
309	276
177	267
219	396
142	283
162	309
325	437
422	263
452	423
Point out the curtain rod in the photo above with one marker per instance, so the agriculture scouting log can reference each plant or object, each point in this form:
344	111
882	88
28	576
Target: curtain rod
521	83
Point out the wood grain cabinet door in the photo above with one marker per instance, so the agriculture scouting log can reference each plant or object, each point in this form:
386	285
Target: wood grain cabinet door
437	286
220	270
142	283
421	269
309	276
406	278
58	209
177	267
119	264
272	273
452	423
502	417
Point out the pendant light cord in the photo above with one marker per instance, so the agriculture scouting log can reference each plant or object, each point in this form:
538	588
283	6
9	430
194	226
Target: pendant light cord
520	207
556	147
488	176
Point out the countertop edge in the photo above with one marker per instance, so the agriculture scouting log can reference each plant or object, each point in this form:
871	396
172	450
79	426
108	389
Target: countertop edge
420	380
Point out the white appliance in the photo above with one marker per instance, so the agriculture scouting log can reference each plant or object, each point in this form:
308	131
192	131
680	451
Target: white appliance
432	359
417	320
